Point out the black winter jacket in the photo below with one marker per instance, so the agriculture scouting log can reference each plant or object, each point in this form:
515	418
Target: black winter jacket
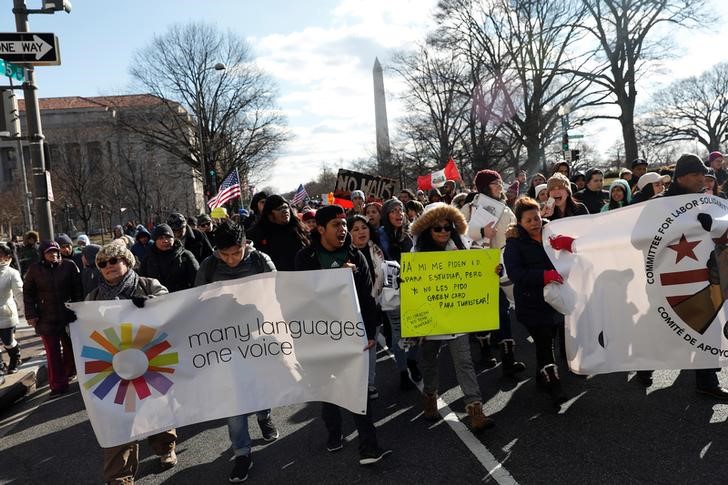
197	244
175	269
526	260
279	242
307	259
45	290
593	200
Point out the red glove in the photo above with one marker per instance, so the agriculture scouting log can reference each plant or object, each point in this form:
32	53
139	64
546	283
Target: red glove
561	243
552	276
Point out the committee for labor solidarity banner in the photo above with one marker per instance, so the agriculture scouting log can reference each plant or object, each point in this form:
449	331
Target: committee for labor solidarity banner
646	285
220	350
448	292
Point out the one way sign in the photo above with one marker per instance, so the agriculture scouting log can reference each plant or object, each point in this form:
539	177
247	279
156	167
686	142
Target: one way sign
30	48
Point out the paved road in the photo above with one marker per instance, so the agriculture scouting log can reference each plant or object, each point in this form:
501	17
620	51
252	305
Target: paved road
613	431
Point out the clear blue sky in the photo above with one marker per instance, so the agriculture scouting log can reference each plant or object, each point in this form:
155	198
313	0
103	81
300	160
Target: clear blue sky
99	37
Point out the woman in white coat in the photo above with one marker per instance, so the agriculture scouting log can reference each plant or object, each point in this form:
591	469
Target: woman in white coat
11	297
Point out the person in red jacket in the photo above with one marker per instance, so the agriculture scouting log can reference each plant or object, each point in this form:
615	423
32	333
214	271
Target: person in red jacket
48	285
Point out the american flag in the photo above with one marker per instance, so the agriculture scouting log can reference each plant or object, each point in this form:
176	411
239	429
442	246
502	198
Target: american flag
300	196
229	189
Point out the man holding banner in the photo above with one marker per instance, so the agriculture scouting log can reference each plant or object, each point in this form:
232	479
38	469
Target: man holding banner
234	259
331	248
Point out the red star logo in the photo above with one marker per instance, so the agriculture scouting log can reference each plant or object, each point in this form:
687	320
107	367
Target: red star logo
723	239
684	248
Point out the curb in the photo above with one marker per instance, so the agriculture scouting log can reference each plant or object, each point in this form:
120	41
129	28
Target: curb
27	383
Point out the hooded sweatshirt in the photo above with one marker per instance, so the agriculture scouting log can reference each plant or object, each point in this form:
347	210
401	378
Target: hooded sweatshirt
138	249
627	194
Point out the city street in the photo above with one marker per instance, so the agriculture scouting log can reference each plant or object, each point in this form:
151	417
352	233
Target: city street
611	432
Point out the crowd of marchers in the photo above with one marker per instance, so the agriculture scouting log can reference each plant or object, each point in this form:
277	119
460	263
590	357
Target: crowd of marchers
37	278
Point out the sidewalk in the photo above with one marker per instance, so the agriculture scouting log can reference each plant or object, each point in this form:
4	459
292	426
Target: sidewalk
32	372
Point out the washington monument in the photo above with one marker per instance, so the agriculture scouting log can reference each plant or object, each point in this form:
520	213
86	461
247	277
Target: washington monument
384	151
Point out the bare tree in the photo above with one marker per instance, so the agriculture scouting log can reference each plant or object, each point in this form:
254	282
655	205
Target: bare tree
434	99
79	176
521	56
219	105
695	108
629	34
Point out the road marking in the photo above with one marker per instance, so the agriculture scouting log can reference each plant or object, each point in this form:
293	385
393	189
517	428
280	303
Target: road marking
495	469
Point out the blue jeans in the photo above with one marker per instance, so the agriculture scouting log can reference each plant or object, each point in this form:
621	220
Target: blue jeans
400	356
238	432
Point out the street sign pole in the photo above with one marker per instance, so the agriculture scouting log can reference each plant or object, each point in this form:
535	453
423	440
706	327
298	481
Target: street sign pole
32	118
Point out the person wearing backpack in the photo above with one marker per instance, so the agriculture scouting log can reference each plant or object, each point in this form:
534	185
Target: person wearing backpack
235	259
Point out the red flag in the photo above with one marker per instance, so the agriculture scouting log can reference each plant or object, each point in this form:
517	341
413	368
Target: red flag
437	179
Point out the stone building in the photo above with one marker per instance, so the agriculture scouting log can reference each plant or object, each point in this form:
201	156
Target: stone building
103	173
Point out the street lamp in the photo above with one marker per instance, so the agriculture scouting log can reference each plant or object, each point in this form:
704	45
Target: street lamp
203	155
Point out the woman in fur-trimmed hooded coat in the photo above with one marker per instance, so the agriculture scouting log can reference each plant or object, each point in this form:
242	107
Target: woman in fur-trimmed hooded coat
442	228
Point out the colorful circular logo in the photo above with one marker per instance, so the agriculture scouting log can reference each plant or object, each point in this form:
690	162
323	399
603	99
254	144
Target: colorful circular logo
129	362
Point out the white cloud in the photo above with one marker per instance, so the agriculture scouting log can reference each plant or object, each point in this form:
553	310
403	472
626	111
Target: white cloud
325	77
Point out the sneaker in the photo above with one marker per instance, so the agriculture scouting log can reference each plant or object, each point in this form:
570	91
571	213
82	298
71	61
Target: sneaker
716	392
242	466
370	457
335	442
268	429
372	393
169	460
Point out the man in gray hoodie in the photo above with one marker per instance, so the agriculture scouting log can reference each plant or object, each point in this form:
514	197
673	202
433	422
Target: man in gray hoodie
235	259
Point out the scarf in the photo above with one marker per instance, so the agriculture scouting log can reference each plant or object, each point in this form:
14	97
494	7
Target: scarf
122	290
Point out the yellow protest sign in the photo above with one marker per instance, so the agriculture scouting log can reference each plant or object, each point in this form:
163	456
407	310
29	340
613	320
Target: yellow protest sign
445	292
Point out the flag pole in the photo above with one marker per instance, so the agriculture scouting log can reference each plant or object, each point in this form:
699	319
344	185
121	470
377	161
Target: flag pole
242	206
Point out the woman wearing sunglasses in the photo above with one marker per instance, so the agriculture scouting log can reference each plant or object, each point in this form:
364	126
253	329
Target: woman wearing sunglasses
442	227
120	282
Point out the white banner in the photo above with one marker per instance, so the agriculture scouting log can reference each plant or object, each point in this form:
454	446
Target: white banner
220	350
639	289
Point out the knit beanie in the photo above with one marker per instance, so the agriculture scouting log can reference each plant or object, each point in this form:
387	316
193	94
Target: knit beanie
90	251
689	163
484	178
162	230
357	193
513	188
203	218
116	249
539	188
308	215
176	220
273	202
714	156
63	239
46	246
557	181
327	213
389	206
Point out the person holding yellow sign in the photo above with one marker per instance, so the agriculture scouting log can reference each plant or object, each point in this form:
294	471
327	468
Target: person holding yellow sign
442	228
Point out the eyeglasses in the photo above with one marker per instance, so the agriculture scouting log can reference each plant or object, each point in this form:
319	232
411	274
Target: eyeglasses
111	261
447	228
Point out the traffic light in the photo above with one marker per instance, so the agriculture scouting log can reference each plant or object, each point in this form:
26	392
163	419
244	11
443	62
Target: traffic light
574	155
10	119
565	142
